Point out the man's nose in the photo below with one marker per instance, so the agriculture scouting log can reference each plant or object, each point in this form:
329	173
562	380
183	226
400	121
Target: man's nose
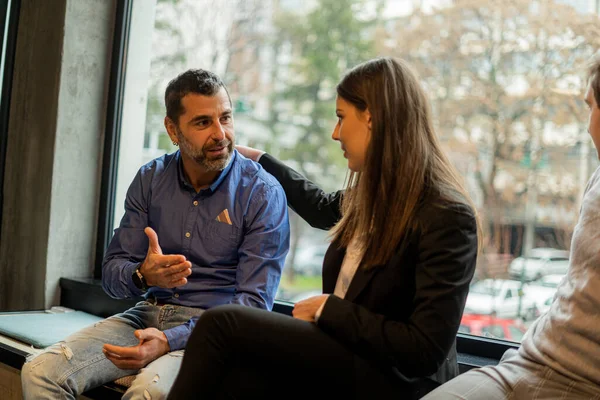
219	133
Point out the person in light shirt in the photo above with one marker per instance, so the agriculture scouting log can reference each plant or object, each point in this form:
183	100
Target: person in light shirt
395	277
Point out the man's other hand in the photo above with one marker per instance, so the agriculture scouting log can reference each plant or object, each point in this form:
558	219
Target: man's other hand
153	344
165	271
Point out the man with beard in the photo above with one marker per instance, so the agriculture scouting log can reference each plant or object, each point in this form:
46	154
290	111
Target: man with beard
203	226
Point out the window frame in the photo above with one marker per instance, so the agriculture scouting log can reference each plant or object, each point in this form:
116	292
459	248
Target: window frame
9	24
112	136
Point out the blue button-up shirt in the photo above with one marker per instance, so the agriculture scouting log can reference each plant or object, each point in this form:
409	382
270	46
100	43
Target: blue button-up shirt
238	263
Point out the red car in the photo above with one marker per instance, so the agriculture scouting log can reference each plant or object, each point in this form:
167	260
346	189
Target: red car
490	326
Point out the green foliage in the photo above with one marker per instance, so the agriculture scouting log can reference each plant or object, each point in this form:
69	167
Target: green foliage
326	42
301	283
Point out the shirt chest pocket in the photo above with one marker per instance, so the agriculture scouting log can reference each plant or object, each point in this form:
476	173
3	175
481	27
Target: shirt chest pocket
221	239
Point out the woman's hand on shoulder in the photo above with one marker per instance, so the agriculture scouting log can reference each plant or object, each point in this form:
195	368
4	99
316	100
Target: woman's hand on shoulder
249	152
307	309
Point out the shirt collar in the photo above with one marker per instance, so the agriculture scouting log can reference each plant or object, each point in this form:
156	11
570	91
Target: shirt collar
213	186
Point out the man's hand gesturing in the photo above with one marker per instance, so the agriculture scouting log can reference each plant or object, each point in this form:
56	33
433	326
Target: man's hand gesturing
165	271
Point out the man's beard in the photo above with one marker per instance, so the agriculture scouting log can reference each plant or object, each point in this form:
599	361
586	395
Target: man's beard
201	155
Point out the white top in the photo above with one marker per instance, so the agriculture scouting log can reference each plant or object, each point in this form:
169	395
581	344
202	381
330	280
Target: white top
567	337
348	269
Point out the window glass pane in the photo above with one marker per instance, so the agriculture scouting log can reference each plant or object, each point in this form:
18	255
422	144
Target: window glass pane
506	87
516	333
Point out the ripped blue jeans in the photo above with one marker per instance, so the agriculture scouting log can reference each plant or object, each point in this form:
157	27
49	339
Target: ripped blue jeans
69	368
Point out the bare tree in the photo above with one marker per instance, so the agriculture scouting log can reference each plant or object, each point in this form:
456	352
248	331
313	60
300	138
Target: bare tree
507	77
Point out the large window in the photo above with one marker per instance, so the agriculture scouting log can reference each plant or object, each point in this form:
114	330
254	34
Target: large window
506	81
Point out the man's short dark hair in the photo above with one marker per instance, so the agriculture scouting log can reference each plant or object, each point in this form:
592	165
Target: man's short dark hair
196	81
594	76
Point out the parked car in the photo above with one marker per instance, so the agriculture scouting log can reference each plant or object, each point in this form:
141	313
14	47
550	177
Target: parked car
490	326
502	298
540	261
551	281
541	292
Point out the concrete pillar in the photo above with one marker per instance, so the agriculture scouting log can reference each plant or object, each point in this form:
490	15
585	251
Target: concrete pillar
54	148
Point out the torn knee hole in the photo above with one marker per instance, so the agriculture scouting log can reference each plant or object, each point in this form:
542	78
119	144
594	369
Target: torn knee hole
66	350
33	360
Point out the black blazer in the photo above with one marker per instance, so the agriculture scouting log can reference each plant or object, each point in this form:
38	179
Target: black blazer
402	316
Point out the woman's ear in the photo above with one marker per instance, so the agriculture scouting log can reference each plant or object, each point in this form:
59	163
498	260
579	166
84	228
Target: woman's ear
368	118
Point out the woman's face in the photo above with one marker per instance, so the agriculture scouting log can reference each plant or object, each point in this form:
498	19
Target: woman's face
353	131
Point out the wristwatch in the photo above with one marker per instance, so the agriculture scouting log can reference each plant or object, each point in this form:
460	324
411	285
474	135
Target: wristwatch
139	281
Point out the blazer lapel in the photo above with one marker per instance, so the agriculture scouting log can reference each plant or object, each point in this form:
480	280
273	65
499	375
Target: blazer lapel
332	263
361	279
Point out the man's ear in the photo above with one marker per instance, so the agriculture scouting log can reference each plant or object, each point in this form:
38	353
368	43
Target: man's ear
171	129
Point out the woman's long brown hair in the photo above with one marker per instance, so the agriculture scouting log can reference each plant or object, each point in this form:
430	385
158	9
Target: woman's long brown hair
404	163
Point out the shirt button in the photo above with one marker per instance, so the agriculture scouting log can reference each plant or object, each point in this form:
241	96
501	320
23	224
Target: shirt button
187	234
176	295
195	202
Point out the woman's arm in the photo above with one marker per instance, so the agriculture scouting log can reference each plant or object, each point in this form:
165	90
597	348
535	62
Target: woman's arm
446	262
319	209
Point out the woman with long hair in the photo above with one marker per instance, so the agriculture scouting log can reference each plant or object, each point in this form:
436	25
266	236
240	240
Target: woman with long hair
395	277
